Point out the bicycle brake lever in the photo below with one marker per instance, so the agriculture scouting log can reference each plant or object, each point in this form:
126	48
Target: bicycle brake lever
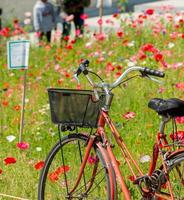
154	79
76	78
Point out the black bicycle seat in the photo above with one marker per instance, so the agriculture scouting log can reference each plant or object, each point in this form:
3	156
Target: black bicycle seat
172	107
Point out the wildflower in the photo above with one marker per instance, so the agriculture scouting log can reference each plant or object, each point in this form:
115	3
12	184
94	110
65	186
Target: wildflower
129	115
110	67
23	145
17	107
115	15
148	47
84	16
149	11
120	34
5	32
27	21
100	22
92	159
69	46
62	169
161	90
179	120
5	103
60	81
178	136
131	178
158	57
100	36
180	85
39	165
66	38
77	32
9	160
53	176
10	138
1	171
145	158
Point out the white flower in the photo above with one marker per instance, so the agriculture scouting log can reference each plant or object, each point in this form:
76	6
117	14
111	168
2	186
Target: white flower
10	138
131	44
27	21
145	158
38	149
171	45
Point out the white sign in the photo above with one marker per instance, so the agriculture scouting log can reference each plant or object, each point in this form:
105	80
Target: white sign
18	54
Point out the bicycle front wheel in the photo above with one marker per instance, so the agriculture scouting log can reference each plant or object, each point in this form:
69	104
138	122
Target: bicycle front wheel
61	169
175	165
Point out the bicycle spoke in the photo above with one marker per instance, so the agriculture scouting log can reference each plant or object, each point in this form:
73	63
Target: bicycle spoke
63	172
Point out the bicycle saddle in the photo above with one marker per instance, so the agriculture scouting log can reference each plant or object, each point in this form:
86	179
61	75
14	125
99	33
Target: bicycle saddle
172	107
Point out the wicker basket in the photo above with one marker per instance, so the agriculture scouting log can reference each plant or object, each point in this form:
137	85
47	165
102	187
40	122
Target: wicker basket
75	107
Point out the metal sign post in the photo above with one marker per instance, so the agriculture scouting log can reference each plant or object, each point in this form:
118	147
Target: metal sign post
18	56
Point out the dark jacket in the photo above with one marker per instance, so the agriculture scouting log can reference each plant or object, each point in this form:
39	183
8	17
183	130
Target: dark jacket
74	6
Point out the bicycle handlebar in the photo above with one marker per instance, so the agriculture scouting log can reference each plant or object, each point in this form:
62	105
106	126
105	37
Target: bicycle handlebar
152	72
145	71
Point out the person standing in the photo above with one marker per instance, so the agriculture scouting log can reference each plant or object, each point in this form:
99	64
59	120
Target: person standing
74	9
44	19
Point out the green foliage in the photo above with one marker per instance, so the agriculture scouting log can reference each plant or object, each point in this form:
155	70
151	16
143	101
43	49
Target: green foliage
53	66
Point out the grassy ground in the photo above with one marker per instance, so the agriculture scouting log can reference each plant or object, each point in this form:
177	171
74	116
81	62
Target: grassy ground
109	55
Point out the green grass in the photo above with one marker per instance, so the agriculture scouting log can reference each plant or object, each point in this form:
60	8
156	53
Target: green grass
21	179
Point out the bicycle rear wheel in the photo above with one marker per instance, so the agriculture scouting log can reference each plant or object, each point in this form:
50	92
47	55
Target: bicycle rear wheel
58	177
175	165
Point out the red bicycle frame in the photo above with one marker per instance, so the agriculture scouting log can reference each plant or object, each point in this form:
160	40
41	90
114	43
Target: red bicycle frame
109	157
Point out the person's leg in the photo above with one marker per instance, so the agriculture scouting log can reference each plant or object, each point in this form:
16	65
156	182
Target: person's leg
48	36
66	28
79	23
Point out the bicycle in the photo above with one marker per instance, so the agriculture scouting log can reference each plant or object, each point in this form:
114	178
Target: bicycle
83	166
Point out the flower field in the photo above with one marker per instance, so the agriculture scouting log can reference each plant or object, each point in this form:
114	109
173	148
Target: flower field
151	39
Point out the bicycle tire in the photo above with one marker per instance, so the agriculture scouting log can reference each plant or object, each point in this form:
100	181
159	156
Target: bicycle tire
175	167
98	189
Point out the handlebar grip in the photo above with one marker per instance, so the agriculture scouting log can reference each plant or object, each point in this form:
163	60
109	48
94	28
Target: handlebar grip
153	72
82	67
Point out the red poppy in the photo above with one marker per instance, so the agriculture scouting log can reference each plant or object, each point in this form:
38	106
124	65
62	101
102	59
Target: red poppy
17	107
129	115
131	178
179	120
180	85
84	16
100	22
149	11
1	171
39	165
149	47
62	169
92	159
142	55
54	176
179	136
23	145
115	15
9	160
5	32
78	87
66	38
69	46
60	81
5	103
110	67
120	34
158	57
